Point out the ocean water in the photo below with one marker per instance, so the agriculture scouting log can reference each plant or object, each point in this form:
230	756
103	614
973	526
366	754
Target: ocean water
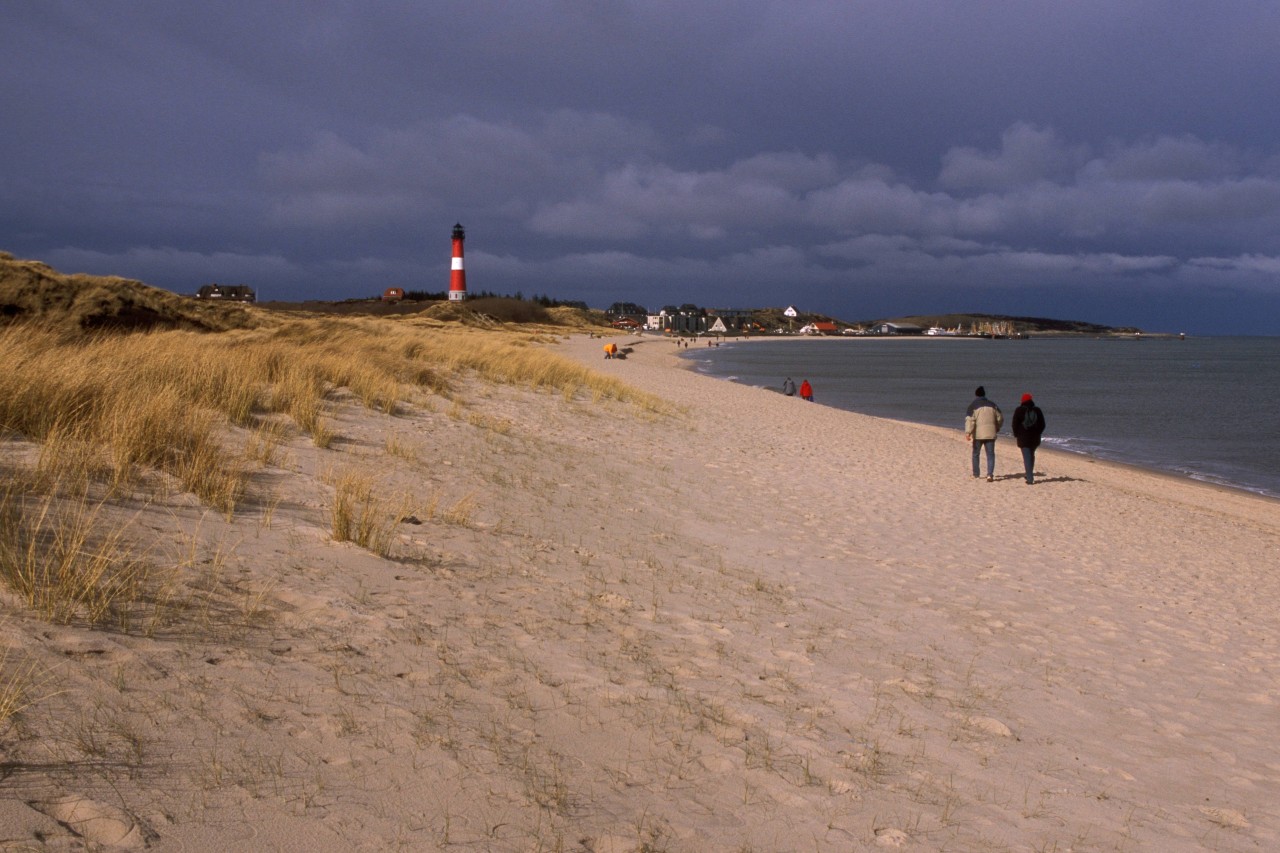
1205	408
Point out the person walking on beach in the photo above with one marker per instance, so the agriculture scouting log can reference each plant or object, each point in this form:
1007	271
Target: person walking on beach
806	391
788	387
1028	424
982	422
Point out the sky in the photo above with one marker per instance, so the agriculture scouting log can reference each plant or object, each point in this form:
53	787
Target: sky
1112	161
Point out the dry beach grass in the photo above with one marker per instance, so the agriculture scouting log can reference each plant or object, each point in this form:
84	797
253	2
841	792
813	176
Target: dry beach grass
393	584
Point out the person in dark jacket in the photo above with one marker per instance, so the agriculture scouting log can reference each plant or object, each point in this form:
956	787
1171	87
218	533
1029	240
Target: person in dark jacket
1028	424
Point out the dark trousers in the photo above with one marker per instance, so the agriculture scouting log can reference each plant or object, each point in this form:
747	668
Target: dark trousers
1029	462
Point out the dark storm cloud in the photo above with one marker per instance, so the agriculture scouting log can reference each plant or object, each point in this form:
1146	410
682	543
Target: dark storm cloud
1117	162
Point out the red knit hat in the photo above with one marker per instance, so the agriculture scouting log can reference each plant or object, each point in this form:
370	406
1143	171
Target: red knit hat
1026	398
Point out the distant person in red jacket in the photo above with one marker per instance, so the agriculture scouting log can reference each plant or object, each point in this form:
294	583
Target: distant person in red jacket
806	391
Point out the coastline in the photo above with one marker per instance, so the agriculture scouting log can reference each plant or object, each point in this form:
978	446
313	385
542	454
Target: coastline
739	622
1157	468
1118	471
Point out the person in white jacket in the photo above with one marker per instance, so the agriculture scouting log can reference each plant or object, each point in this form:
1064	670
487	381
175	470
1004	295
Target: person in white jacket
982	422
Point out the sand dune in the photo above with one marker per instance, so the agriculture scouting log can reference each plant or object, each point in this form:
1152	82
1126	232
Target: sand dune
751	623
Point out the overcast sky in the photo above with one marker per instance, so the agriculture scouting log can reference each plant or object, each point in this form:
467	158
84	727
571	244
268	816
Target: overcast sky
1116	161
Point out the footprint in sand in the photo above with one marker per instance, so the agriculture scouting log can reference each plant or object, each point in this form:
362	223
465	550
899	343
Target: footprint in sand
888	837
1229	818
990	726
97	823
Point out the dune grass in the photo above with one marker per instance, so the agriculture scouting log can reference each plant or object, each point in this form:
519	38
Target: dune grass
121	404
66	561
115	415
20	681
360	516
518	360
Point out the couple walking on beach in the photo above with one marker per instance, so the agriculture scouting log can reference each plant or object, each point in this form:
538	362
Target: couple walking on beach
982	422
806	390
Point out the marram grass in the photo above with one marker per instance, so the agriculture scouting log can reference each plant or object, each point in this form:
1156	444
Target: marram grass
19	683
110	412
64	561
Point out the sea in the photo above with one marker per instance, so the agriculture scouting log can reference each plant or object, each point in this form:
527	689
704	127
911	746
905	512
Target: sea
1207	408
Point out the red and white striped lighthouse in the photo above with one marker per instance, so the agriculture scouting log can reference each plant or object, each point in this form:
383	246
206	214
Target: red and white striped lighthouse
457	276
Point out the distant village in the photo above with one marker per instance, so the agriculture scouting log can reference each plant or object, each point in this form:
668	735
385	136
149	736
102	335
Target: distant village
691	319
695	320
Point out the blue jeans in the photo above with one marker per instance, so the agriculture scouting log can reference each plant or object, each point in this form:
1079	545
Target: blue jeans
990	444
1029	462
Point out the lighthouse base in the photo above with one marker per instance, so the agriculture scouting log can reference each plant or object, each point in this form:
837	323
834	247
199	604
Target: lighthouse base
457	295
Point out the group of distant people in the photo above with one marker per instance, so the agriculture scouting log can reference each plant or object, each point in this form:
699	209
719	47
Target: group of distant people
983	420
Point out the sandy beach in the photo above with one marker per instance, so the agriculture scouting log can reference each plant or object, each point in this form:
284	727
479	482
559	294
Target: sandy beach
747	623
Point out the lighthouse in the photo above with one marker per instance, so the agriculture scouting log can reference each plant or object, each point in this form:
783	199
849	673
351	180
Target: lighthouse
457	276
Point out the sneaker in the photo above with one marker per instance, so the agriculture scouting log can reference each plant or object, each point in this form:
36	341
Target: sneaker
991	479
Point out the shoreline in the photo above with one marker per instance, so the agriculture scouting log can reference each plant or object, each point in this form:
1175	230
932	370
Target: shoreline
1144	478
1147	468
